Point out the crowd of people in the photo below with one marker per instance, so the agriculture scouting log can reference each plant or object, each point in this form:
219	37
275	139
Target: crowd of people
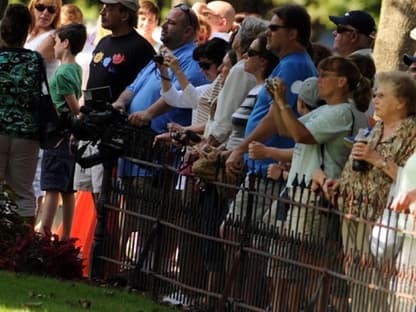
250	89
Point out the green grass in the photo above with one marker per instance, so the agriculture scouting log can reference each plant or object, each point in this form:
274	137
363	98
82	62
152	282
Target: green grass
22	293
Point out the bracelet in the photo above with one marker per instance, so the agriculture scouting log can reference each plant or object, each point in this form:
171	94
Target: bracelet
286	106
383	164
165	78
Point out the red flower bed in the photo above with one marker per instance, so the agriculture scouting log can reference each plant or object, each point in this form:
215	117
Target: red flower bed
24	250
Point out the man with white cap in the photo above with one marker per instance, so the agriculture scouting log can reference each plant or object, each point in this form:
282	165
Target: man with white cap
355	33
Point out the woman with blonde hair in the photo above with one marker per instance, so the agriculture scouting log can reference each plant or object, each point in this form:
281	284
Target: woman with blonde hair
46	18
71	13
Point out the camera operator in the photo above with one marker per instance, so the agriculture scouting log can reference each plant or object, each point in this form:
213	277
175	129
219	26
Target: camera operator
115	63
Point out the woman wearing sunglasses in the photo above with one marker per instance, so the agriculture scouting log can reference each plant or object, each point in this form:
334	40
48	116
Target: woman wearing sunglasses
209	56
46	17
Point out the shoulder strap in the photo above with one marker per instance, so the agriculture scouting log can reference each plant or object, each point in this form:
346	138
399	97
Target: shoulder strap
322	146
353	120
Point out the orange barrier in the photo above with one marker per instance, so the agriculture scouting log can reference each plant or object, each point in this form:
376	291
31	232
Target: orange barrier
83	226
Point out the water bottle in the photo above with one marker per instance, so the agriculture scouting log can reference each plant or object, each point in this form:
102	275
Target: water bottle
358	164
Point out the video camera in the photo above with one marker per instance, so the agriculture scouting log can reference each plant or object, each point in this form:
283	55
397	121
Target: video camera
100	124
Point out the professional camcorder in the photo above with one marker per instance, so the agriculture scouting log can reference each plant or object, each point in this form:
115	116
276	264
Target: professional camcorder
102	125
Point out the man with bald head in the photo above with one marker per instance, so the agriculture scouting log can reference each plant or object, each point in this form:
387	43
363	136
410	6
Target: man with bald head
220	16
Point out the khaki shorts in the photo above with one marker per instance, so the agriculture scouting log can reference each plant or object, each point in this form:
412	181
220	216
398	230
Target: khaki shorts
302	224
88	179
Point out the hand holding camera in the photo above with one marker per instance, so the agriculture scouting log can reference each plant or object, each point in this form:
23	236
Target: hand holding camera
167	58
277	90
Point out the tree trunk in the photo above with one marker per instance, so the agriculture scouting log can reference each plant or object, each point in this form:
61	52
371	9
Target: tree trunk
397	19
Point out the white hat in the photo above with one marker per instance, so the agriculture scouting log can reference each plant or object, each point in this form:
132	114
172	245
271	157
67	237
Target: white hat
307	91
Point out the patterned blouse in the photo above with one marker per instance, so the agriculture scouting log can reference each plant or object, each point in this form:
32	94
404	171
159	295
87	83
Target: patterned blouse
365	194
20	87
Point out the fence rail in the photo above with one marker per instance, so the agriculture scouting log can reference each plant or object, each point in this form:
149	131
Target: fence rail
189	240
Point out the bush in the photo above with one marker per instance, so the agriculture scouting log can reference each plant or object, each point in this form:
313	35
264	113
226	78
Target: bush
24	250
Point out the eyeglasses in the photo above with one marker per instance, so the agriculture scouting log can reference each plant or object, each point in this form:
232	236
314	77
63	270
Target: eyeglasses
275	27
193	21
411	69
205	65
341	29
41	7
252	52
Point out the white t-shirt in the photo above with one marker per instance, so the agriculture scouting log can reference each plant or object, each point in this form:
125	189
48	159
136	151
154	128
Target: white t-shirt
33	45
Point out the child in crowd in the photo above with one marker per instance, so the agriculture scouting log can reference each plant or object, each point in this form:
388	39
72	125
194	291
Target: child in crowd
58	164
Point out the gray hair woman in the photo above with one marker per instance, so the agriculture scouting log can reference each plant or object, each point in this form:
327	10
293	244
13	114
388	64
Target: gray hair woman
364	194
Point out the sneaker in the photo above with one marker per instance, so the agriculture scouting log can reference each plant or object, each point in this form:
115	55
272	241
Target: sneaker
177	299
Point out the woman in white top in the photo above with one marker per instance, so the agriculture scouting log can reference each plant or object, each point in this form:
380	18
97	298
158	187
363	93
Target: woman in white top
46	17
202	98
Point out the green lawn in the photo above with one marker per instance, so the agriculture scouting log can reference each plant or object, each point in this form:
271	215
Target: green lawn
21	293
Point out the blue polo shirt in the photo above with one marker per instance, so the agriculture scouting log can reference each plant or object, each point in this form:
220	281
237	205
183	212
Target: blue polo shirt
292	67
146	88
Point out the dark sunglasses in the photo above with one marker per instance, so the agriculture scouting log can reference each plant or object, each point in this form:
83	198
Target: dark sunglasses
205	65
341	29
275	27
41	7
251	53
187	10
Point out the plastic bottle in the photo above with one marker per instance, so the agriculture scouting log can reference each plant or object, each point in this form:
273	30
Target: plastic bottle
361	165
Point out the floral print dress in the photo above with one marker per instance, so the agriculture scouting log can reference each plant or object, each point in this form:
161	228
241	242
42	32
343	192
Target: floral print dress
20	88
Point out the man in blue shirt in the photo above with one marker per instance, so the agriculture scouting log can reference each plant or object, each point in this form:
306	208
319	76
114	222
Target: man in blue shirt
178	34
288	36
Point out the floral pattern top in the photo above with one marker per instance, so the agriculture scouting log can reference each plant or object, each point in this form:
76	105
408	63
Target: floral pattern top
365	194
20	87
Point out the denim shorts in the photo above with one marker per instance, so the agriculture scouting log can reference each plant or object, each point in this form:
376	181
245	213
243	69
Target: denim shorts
58	167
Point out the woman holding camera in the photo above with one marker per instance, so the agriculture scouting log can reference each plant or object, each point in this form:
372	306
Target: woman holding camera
364	194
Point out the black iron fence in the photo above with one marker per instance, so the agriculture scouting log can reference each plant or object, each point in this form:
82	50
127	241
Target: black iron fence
253	247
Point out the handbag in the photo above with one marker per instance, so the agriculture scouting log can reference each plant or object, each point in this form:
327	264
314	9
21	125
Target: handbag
46	115
385	241
211	168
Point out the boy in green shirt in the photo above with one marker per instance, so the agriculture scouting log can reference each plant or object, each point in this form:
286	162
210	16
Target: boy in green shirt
58	164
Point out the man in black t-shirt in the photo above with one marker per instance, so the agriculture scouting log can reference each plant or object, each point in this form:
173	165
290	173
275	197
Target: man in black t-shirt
116	61
120	56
